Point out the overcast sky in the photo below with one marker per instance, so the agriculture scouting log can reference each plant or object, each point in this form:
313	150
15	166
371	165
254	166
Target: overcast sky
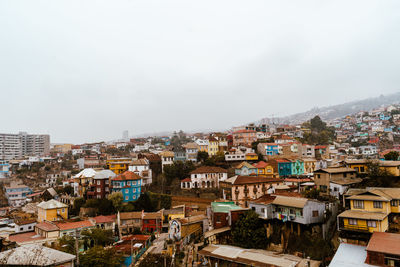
86	70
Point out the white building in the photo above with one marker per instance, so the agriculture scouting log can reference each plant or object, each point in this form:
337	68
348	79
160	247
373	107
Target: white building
167	158
13	146
205	177
142	168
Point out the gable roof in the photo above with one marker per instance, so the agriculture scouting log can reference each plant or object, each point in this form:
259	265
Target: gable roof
245	164
261	165
208	169
127	176
85	173
104	174
130	215
47	226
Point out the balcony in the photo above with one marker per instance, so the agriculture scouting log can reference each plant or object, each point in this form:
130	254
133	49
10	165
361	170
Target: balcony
358	228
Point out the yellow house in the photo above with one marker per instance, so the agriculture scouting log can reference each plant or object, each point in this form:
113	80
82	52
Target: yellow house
118	165
213	146
264	169
52	210
370	209
359	165
251	156
390	166
309	165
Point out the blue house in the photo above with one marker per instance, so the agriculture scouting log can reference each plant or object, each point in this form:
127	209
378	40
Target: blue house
129	183
245	169
284	167
271	149
384	117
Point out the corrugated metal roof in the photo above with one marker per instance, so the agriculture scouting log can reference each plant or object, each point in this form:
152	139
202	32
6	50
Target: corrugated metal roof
365	215
51	204
34	254
295	202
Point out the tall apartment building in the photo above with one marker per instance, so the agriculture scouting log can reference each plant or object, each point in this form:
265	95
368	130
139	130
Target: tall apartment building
14	146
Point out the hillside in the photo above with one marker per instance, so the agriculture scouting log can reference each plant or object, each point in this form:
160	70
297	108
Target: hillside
337	111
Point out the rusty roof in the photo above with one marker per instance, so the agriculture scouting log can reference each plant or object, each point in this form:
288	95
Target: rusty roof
208	169
387	243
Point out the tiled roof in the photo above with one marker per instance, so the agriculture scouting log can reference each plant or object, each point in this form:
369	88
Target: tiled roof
74	225
245	164
47	226
104	219
254	180
260	164
186	180
151	215
208	169
131	215
128	175
25	237
387	243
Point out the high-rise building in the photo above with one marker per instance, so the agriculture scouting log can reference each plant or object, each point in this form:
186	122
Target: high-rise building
125	135
14	146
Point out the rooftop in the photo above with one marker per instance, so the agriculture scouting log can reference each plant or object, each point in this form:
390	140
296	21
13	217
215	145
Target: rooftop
224	207
51	204
34	255
349	255
208	169
387	243
74	225
127	175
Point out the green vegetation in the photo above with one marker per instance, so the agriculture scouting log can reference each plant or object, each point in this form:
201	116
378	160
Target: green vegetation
178	170
100	256
155	260
202	156
116	198
149	202
313	246
97	237
319	132
392	155
249	231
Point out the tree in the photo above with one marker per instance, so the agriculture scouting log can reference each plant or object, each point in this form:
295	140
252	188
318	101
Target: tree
392	155
202	156
116	198
99	237
100	256
155	260
78	203
67	244
178	170
249	231
103	206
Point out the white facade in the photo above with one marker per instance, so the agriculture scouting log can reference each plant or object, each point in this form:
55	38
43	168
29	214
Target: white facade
142	168
13	146
207	180
24	227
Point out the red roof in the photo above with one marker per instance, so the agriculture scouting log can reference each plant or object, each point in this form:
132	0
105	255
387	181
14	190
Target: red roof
186	180
74	225
387	243
282	160
298	180
208	169
260	164
47	226
104	219
128	175
255	180
320	147
25	237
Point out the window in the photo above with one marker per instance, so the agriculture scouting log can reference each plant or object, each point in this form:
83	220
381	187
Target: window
29	227
98	182
126	198
371	224
377	204
128	183
98	190
314	213
393	203
134	196
291	211
126	191
352	221
344	175
21	228
253	208
63	210
358	204
262	210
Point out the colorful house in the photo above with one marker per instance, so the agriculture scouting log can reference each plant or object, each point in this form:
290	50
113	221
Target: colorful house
284	167
118	165
152	221
268	149
245	168
129	183
251	157
52	210
369	209
297	167
264	169
213	146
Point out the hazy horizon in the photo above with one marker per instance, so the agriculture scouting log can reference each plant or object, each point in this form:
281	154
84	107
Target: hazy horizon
85	71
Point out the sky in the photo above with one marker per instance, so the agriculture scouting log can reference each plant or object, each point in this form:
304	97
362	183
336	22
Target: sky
86	70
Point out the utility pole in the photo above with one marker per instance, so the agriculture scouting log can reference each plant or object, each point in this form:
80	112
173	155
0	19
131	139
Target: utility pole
77	246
